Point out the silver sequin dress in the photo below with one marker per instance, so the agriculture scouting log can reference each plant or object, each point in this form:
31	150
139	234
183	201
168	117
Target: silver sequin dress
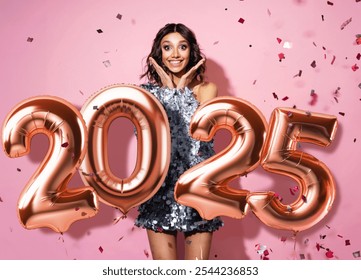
162	212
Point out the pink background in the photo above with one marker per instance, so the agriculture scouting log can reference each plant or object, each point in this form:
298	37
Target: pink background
66	59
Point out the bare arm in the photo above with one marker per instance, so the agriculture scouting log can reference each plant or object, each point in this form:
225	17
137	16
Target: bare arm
206	91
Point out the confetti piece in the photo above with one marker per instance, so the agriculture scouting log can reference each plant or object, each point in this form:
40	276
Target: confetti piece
354	67
117	219
356	254
329	3
95	107
81	92
322	236
106	63
293	190
287	45
354	140
358	56
342	113
313	64
302	256
298	74
216	42
329	254
119	16
241	20
279	40
318	246
333	60
358	39
285	98
1	200
100	249
304	198
269	12
64	145
30	39
281	56
99	31
275	95
18	169
120	238
216	256
347	242
254	82
359	85
345	23
322	17
146	253
314	98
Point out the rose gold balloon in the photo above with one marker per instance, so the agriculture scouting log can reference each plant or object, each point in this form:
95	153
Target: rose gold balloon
153	149
317	187
45	200
205	186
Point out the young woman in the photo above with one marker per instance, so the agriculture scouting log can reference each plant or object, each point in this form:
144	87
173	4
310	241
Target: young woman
175	70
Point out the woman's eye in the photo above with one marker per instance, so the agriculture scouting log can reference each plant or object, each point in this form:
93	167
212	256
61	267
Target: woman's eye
183	47
166	48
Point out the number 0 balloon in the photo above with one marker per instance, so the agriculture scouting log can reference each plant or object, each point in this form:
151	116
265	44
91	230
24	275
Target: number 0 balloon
153	149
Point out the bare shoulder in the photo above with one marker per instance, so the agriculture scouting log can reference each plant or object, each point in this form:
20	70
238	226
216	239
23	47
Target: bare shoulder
205	91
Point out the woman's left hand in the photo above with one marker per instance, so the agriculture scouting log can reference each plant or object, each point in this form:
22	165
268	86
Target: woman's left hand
188	77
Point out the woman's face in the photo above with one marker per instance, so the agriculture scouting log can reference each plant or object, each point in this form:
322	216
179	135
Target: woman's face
175	52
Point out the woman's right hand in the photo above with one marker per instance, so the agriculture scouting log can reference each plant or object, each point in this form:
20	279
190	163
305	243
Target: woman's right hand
164	77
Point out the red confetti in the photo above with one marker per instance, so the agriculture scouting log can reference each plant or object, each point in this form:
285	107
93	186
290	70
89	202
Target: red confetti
329	254
285	98
333	60
64	145
358	40
281	56
119	16
18	169
358	56
342	113
99	31
279	40
275	95
304	198
293	190
339	235
100	249
146	253
313	64
30	39
347	242
354	67
354	140
329	3
1	200
347	22
241	20
318	246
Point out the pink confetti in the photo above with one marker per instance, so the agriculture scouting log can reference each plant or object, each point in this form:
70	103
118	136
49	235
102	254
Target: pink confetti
146	253
339	235
298	74
101	249
329	254
354	67
241	20
107	63
64	145
281	56
279	40
313	64
81	92
345	23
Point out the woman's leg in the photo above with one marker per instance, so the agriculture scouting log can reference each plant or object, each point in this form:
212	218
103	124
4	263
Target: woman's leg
163	245
198	246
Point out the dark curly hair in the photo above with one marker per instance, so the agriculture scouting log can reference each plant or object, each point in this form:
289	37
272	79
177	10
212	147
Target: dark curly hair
156	52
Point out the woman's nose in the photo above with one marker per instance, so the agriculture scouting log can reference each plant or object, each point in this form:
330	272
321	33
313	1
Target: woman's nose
175	52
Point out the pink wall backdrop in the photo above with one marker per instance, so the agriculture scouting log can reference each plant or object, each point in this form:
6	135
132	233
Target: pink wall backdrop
53	48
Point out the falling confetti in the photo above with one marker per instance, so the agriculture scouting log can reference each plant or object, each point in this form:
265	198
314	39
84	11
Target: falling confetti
302	256
285	98
275	95
99	31
119	16
64	145
347	22
322	236
358	39
281	56
269	12
313	64
120	238
279	40
354	67
359	85
106	63
95	107
342	113
333	60
117	219
323	18
329	3
18	169
329	254
314	98
294	189
241	20
1	200
283	238
81	92
216	42
30	39
354	140
358	56
347	242
287	45
298	74
356	254
100	249
304	198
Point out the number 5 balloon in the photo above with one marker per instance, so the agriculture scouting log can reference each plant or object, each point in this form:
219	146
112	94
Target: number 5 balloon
279	155
45	200
153	149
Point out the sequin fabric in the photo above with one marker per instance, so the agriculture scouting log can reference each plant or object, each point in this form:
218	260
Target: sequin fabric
162	212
